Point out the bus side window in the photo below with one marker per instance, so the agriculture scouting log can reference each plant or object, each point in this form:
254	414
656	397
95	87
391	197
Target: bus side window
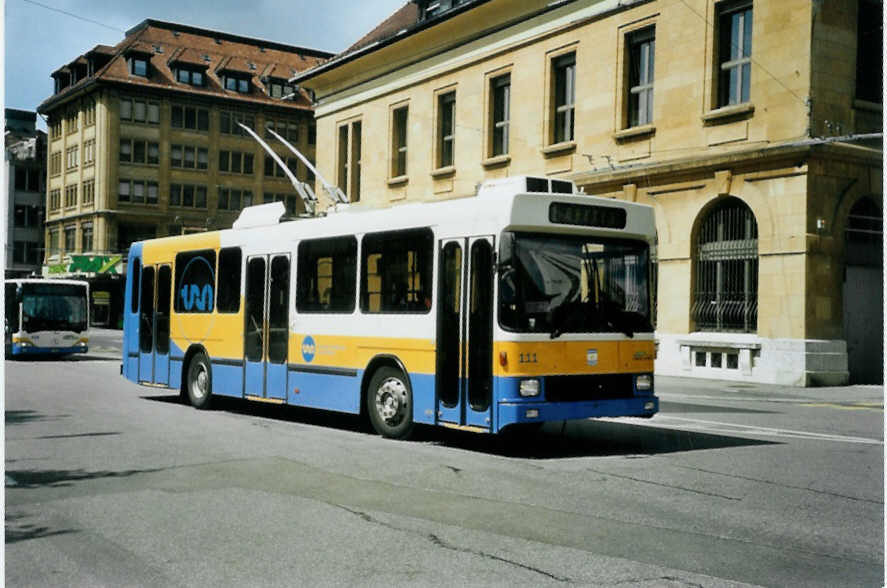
136	280
326	278
396	271
229	279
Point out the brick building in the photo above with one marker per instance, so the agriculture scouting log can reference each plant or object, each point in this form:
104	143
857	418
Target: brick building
144	142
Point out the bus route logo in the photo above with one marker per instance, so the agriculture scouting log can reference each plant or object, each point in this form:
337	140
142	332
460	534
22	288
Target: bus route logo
308	348
197	286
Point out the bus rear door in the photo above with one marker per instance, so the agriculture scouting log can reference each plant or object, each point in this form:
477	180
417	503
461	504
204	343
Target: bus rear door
464	364
266	333
155	296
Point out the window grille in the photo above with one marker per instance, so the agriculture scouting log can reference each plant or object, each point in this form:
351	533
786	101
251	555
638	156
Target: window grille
725	296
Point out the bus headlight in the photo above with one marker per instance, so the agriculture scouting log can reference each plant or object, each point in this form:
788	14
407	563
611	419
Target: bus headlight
644	382
529	387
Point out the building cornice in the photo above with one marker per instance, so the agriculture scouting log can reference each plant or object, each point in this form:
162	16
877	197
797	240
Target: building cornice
798	152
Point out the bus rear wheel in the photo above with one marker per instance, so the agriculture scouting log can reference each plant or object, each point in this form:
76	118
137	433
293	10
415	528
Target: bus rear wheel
199	382
390	403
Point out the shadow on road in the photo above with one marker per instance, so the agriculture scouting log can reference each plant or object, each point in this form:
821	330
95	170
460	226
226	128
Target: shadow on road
579	438
19	530
17	417
62	478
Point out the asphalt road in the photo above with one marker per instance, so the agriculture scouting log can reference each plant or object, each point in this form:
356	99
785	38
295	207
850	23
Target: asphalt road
113	484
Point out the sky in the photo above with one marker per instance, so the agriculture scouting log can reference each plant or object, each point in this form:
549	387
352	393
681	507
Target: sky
43	35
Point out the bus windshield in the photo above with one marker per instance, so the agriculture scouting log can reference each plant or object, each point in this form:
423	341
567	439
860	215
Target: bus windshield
567	284
53	307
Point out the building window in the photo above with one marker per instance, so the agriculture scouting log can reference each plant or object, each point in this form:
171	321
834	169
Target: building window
54	242
70	238
725	296
279	89
55	199
72	157
563	74
234	199
55	128
399	141
71	122
27	179
273	169
26	216
191	77
228	123
139	111
446	129
55	163
236	162
138	66
640	50
138	151
189	117
70	196
189	157
734	52
89	152
236	84
500	114
88	192
89	112
350	153
289	130
137	192
870	35
187	195
86	237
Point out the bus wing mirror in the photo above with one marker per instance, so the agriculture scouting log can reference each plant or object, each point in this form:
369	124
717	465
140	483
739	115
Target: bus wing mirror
18	293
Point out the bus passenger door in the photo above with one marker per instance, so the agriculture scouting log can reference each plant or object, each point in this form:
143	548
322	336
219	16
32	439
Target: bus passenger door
465	332
154	305
267	326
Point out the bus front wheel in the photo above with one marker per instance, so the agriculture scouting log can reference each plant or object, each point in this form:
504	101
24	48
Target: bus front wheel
199	383
390	403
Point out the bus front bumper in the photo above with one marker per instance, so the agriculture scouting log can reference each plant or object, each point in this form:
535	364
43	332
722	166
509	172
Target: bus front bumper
511	413
26	349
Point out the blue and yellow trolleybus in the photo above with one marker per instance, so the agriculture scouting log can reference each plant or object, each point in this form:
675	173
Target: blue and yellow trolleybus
46	317
526	303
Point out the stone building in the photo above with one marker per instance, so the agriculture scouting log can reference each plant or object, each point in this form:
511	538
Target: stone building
753	127
144	142
26	176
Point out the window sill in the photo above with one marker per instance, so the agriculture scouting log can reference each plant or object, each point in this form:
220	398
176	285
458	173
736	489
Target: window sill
868	106
443	172
722	115
398	181
559	148
496	161
635	132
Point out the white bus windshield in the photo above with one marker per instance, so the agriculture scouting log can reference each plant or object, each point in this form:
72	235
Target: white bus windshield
566	284
53	307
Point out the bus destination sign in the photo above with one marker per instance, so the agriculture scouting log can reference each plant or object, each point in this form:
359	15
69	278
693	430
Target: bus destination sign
588	215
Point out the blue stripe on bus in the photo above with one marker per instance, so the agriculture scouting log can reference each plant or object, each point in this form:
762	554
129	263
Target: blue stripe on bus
18	349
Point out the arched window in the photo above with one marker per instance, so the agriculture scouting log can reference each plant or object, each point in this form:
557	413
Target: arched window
725	294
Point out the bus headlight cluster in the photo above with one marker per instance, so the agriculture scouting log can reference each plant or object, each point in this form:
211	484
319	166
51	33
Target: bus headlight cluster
529	387
644	382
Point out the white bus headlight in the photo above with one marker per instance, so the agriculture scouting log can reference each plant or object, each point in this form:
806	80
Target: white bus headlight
529	387
644	382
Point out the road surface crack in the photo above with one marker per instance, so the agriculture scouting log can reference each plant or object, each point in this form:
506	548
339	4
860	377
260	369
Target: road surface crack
438	542
704	493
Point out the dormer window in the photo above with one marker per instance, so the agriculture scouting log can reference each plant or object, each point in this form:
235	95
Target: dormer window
434	8
236	83
278	88
138	65
191	77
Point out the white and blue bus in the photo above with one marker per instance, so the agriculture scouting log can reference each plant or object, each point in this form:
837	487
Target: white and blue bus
46	317
527	303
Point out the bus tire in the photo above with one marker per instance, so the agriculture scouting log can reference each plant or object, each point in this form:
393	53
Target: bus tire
199	381
389	403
